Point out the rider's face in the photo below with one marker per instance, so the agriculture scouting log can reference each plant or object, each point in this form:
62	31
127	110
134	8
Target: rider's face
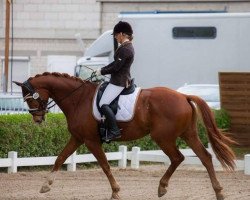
119	37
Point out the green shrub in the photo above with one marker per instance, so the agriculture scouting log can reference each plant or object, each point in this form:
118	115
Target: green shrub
19	133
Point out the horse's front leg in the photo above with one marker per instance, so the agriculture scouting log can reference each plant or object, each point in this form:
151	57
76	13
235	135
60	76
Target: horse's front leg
71	146
96	149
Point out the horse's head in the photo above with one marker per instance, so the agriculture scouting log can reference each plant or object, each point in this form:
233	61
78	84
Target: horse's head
36	100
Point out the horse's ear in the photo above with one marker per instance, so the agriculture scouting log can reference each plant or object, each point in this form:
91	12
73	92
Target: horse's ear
18	83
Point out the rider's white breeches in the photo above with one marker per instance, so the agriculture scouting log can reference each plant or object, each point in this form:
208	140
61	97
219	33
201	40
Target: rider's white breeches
110	93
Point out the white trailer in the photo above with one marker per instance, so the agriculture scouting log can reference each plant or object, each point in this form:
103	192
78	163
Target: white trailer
176	48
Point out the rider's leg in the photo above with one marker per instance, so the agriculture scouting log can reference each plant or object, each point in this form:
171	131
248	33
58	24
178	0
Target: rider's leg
113	129
110	93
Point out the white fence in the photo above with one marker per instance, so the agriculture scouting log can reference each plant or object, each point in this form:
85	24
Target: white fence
135	156
13	162
190	158
14	104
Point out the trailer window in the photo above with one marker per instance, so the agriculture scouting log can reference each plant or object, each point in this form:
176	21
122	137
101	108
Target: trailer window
194	32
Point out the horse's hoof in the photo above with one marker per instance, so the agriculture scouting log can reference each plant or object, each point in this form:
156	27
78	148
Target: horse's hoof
220	196
45	188
161	191
50	181
115	197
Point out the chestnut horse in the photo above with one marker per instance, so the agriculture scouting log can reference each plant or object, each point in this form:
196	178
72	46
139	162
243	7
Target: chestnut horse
161	112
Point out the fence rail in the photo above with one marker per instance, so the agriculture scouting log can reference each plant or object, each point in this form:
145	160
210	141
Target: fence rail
135	156
13	162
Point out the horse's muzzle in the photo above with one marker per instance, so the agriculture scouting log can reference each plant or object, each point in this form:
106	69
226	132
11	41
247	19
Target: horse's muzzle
38	119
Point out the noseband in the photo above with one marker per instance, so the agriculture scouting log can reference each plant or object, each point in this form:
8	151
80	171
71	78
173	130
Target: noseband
32	94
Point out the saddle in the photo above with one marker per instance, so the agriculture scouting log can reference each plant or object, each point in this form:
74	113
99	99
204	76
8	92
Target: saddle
114	104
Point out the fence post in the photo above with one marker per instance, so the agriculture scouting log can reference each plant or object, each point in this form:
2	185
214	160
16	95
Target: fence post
135	161
247	164
72	165
13	156
122	163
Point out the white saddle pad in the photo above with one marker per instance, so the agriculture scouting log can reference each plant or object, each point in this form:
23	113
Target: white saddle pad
126	106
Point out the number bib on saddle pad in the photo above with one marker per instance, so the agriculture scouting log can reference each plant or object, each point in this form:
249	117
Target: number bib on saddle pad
126	105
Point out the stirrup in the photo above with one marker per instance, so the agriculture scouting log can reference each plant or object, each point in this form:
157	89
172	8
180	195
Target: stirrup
110	136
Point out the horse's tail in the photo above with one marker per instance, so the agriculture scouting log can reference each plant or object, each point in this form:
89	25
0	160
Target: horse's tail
218	140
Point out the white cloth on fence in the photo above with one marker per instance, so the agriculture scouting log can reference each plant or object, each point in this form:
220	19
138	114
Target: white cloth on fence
126	106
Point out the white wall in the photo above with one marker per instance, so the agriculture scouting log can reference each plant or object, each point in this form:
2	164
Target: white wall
62	64
162	60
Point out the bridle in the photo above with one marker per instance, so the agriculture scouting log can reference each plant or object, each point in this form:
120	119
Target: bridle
43	105
32	94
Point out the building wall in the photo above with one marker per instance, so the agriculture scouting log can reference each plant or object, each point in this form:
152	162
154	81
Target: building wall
55	18
48	27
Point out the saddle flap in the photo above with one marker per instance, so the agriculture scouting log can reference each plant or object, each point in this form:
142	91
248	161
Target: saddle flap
125	105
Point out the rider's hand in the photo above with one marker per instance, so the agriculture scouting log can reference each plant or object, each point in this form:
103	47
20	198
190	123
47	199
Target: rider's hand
98	72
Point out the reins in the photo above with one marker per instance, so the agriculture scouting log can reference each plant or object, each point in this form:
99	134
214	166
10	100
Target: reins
43	106
88	79
63	97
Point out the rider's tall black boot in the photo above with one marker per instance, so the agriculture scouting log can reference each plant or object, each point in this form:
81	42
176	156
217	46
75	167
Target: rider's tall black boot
113	129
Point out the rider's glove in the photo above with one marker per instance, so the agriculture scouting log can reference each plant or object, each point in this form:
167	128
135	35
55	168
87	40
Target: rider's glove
98	72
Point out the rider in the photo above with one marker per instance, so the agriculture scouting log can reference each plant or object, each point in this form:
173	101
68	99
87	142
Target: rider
119	70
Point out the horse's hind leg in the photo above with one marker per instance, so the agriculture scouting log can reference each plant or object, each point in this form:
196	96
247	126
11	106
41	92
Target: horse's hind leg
195	144
175	157
71	146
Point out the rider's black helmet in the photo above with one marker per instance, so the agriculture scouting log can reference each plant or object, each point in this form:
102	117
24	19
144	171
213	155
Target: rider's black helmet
123	27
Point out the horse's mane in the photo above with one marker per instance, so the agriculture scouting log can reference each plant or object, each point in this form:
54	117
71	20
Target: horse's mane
57	74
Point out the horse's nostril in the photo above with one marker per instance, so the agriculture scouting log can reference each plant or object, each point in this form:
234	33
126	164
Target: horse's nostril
38	120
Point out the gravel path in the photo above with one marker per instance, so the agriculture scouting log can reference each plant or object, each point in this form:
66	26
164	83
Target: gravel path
186	184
